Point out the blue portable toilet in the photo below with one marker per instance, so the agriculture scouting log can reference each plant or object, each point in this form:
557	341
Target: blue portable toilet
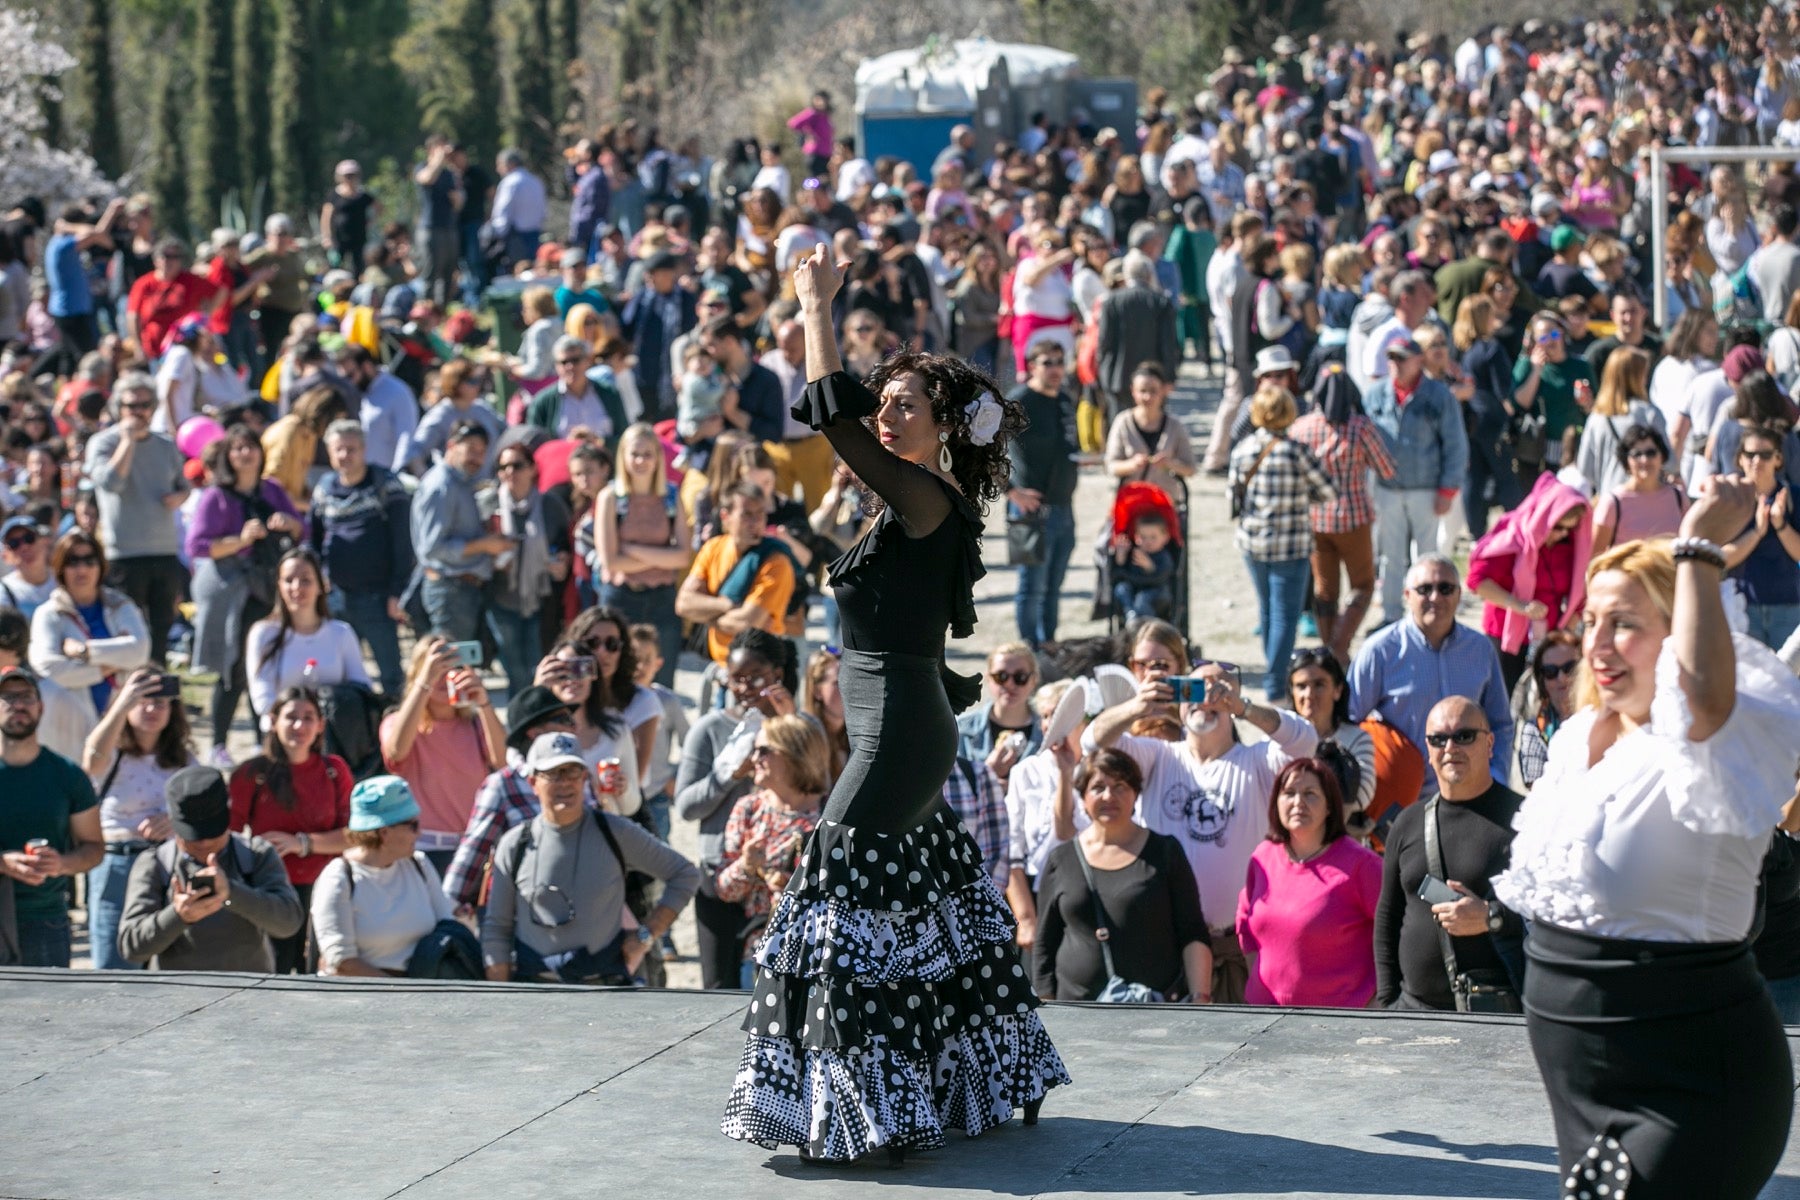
907	101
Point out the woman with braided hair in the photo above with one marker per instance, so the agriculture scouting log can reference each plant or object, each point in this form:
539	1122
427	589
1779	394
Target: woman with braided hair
889	1002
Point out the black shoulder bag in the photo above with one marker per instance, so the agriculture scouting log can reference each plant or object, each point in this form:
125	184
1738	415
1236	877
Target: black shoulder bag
1485	989
1117	990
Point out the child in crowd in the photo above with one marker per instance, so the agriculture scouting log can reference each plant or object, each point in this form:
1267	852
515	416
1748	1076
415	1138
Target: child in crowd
671	732
1144	569
707	401
1574	312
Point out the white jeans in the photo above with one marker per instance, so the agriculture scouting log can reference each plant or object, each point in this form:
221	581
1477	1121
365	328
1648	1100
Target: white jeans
1406	526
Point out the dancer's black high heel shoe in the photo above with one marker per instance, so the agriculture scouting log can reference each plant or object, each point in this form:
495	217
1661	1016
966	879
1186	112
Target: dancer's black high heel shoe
1032	1108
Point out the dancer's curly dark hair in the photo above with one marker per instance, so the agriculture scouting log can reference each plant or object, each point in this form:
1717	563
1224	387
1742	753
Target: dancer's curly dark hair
951	383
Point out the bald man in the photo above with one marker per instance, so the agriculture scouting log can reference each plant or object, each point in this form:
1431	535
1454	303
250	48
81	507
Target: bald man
1456	913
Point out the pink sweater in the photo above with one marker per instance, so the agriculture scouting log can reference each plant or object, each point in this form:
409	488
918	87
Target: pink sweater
1311	926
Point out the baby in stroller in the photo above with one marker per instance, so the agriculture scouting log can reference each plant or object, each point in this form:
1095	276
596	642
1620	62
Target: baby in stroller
1143	569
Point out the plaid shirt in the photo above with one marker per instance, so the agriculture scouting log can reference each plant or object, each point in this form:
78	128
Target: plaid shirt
504	799
983	812
1347	453
1275	526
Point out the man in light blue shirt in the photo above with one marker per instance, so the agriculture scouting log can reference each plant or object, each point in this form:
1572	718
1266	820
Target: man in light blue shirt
518	210
455	550
432	437
1403	670
389	413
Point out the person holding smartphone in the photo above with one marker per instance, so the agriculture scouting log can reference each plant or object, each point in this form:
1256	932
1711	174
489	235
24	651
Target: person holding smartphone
1211	790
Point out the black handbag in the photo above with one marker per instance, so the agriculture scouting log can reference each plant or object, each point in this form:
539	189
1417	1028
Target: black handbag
1525	432
1485	989
1025	536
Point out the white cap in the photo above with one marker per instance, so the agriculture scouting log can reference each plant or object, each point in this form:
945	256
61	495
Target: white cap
553	750
1441	161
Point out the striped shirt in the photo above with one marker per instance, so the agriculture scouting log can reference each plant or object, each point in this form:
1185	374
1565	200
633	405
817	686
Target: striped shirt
1347	453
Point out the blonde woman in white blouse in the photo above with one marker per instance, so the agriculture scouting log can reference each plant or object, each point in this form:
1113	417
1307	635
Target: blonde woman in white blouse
1636	862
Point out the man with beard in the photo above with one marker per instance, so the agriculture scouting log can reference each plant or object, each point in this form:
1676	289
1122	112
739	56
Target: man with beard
49	824
1209	791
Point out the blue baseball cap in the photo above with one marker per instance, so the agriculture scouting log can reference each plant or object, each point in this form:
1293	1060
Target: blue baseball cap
380	801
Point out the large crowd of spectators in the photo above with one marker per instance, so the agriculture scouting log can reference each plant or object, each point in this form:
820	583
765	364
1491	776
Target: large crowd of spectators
345	477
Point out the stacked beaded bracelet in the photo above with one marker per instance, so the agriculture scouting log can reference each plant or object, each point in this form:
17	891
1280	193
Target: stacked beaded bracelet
1698	550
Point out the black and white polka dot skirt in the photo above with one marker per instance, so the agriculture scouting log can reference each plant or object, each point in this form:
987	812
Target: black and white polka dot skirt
889	1002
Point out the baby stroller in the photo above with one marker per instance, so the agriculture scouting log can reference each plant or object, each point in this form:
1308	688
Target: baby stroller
1134	499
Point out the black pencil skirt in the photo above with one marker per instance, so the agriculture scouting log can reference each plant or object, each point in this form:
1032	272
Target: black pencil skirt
1668	1071
902	741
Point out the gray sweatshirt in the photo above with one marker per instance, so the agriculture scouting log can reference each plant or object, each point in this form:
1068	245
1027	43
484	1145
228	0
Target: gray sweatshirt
262	905
134	522
588	883
700	795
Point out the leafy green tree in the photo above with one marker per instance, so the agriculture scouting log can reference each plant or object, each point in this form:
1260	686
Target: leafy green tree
216	166
448	55
168	154
532	125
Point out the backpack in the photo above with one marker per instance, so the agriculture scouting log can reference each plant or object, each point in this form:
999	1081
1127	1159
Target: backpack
1399	774
524	843
352	716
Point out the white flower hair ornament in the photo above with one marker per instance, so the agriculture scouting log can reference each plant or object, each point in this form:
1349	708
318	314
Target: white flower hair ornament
984	416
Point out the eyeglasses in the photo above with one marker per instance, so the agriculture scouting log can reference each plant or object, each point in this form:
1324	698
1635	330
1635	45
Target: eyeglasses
1644	453
19	541
81	560
1018	678
609	643
1557	670
1462	737
1440	588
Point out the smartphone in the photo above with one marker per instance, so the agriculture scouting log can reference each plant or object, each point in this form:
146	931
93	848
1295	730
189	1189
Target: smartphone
168	687
200	885
1192	689
469	653
1433	890
584	667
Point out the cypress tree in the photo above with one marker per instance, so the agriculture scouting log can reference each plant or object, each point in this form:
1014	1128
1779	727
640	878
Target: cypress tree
216	167
250	71
168	172
534	83
294	109
95	73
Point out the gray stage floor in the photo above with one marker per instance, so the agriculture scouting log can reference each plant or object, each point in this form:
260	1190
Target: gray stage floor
239	1086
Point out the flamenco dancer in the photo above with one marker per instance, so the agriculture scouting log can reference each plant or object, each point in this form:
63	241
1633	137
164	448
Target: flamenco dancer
889	1002
1636	860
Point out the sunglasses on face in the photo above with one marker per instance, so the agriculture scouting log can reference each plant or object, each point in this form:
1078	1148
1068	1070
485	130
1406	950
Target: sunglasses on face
763	751
1757	455
81	560
1050	364
1548	336
570	362
19	541
1439	588
1558	670
138	405
609	643
1017	678
1462	737
1645	453
515	465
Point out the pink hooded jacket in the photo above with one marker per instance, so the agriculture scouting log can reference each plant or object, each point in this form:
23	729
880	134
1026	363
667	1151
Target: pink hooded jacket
1520	534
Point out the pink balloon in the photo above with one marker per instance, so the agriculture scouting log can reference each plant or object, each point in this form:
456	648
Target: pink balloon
196	434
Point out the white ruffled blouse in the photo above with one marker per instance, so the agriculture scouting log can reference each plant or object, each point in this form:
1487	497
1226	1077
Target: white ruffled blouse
1663	839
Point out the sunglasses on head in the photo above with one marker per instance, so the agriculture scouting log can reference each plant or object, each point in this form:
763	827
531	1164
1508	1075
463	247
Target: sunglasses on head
1311	656
1440	588
1018	678
1558	670
1462	737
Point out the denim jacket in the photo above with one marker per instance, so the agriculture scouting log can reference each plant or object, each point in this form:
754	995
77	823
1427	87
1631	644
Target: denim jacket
1425	436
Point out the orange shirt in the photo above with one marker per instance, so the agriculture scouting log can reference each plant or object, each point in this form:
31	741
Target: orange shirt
771	591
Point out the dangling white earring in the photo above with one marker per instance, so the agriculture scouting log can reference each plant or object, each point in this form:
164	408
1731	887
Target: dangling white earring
944	463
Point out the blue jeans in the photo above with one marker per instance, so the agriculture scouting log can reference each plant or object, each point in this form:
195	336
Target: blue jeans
367	613
1040	587
651	606
1280	595
453	607
1133	602
520	640
1773	624
44	941
658	808
105	901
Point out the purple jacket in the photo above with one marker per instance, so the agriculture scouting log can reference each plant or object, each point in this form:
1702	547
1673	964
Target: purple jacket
220	514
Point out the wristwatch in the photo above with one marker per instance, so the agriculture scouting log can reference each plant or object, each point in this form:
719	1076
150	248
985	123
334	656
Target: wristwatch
1496	916
644	935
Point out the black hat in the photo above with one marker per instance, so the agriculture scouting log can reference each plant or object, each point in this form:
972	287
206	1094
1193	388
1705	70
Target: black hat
468	429
530	707
662	260
199	803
